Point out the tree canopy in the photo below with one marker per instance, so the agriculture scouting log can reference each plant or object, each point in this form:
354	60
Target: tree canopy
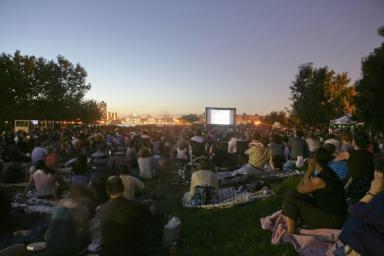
35	88
191	118
369	99
280	117
319	95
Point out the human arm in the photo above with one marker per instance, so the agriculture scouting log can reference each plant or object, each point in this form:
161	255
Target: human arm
271	163
232	145
30	185
194	183
342	156
211	150
365	209
308	183
139	186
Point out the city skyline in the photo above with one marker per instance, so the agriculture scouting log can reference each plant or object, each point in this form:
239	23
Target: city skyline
174	58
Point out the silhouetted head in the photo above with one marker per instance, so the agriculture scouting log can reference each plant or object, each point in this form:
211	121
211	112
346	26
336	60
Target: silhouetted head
322	157
361	140
114	186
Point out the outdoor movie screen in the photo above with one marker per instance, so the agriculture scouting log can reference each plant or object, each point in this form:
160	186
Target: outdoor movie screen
220	116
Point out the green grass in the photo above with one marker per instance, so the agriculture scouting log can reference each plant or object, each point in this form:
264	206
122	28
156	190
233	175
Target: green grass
232	231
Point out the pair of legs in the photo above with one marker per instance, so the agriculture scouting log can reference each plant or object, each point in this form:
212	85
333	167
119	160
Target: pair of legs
362	238
248	169
300	207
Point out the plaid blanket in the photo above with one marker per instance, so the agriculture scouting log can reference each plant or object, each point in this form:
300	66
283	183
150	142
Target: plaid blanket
31	203
229	197
227	177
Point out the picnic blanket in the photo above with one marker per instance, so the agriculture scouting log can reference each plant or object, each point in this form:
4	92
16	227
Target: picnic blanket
31	203
282	174
227	177
229	197
10	185
316	242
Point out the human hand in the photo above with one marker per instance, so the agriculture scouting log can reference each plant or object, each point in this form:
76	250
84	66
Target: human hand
377	183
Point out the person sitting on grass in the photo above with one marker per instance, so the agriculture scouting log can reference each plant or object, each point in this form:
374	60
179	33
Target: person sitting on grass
319	200
68	231
122	222
346	141
146	164
360	166
132	186
44	181
363	233
202	178
339	167
259	155
81	171
277	151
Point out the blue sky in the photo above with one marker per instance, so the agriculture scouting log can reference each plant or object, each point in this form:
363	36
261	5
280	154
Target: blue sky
175	57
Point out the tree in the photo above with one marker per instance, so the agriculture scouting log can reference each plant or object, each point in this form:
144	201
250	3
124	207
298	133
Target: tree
319	95
191	118
274	116
90	111
369	97
34	88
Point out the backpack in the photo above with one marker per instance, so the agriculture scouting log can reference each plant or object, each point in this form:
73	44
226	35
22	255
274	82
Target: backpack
204	195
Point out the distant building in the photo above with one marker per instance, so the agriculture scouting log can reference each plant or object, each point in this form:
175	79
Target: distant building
111	117
104	113
114	116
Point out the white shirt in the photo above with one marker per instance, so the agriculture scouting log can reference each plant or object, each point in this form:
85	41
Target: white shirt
131	186
202	178
146	167
313	144
44	183
336	143
232	145
199	139
182	153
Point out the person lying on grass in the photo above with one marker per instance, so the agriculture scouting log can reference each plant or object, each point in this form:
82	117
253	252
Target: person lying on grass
319	200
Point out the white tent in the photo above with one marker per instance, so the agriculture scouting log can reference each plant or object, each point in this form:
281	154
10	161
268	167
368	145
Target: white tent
344	120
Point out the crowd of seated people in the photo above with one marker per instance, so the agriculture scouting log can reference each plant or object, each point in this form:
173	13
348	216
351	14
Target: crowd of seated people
89	158
319	201
89	152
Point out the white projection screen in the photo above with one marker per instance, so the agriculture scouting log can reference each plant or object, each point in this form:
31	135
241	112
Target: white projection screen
220	116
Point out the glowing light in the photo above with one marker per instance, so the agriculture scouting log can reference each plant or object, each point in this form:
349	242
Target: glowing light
257	122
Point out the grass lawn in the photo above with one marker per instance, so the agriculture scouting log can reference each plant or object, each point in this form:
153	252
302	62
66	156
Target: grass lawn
232	231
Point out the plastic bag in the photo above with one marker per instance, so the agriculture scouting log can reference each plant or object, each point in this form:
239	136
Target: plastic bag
171	233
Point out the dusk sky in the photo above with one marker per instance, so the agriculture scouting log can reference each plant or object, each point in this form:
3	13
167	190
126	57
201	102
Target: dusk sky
177	57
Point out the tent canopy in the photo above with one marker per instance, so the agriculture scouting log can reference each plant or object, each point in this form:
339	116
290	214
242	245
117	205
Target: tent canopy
344	120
